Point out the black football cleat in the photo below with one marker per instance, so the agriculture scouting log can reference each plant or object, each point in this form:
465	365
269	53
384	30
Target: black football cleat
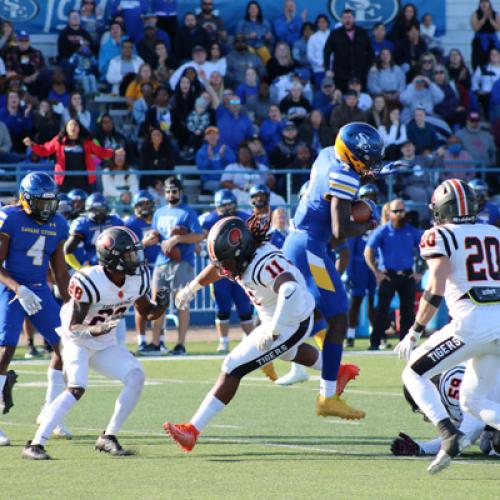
109	444
35	452
8	402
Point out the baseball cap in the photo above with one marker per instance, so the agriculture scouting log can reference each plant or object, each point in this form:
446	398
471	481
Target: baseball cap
198	48
211	130
473	117
303	73
327	81
23	35
290	124
149	24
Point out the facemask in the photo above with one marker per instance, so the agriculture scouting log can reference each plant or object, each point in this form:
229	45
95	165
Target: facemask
455	149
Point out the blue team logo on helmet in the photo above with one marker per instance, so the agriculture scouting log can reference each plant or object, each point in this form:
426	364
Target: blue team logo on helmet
360	146
97	207
38	195
366	12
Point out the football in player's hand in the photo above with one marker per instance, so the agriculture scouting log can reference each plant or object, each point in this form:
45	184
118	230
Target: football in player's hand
360	211
175	253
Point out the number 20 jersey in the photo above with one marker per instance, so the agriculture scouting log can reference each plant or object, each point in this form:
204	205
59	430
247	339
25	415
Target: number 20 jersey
258	282
107	302
474	253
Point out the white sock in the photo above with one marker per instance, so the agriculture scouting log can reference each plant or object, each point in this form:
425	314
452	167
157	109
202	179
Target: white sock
53	416
141	339
430	447
319	363
209	408
126	401
351	333
55	385
3	378
224	341
327	388
162	339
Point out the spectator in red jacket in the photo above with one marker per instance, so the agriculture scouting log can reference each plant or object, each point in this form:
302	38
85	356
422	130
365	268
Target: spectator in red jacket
73	148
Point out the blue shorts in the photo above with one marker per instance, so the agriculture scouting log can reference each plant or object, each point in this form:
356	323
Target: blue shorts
312	258
361	280
226	293
12	316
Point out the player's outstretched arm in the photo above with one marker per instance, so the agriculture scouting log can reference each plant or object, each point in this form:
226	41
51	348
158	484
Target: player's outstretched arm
342	225
60	271
207	276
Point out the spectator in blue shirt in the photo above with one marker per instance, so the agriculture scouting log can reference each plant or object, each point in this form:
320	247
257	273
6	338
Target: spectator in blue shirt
175	226
271	128
17	119
422	134
287	26
213	155
233	124
379	41
132	12
110	48
397	243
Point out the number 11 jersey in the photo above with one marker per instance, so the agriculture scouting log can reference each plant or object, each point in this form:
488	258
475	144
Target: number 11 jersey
107	302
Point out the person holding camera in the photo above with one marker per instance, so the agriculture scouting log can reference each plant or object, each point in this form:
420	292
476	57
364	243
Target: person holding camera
420	93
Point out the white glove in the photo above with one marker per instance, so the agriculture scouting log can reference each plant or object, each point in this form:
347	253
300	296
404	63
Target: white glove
406	346
266	340
186	295
80	330
29	300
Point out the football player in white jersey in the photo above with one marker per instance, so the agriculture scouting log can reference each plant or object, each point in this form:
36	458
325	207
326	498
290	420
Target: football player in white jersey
100	296
464	265
283	303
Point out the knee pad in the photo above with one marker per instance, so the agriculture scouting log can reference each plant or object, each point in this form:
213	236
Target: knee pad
135	378
223	317
246	318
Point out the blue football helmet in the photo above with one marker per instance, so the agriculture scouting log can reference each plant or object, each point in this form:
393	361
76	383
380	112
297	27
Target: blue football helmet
78	198
225	202
65	206
97	207
38	196
262	200
480	188
143	203
369	191
360	146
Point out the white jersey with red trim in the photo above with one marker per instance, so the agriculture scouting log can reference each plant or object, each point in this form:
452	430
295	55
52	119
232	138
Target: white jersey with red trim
258	282
474	253
107	302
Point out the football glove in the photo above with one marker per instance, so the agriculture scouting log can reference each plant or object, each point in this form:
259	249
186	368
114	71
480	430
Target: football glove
404	446
29	300
266	340
162	298
406	346
398	166
186	295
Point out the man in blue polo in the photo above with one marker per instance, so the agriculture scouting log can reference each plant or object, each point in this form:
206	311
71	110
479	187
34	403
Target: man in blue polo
233	124
397	242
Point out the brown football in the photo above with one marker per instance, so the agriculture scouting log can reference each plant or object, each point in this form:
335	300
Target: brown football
175	254
360	211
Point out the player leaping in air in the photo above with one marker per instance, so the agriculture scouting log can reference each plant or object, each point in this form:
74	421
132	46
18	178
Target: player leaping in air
284	305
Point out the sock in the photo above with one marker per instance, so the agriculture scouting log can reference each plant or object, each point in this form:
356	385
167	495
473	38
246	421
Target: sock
209	408
162	339
141	339
3	378
351	333
327	388
224	341
430	447
126	401
55	385
332	355
53	416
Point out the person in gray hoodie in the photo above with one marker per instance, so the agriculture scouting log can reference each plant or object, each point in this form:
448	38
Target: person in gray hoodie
420	93
479	143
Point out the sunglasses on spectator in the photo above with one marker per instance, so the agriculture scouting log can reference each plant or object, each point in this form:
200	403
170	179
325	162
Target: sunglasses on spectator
398	211
439	72
171	191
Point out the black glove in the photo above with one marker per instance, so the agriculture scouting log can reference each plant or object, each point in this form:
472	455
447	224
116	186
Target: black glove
404	446
163	297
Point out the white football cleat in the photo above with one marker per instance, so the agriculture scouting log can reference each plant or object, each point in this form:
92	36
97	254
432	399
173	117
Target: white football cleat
455	445
61	432
297	374
4	440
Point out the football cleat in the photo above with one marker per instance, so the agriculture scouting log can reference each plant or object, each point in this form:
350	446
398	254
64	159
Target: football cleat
451	447
35	452
185	435
336	407
61	432
297	374
8	402
178	350
404	446
109	444
222	348
149	350
349	343
4	440
270	372
32	353
347	372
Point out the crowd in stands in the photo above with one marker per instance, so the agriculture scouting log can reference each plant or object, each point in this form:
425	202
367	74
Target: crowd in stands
267	95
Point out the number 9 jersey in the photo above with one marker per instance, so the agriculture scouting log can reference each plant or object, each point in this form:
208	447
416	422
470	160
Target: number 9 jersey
107	302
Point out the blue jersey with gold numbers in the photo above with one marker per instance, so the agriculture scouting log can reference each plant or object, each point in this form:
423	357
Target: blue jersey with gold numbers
31	243
329	177
90	231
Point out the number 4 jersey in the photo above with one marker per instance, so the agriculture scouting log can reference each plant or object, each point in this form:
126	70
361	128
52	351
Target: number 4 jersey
474	253
107	302
258	282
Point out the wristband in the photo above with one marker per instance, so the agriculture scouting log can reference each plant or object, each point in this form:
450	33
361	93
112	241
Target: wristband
432	299
194	286
418	327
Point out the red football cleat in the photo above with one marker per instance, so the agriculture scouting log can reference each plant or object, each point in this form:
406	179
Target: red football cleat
185	435
347	372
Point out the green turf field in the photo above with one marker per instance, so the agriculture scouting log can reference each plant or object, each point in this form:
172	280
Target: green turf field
267	444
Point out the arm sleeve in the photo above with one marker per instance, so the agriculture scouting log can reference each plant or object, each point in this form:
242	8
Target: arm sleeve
374	239
46	149
435	243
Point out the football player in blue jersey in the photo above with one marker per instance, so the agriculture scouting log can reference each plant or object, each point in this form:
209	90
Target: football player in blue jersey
86	229
323	212
32	235
227	292
488	213
78	198
359	276
140	223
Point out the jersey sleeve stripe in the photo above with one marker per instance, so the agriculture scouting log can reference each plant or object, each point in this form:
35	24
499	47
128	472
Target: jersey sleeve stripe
445	241
92	284
453	238
342	187
341	177
83	285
